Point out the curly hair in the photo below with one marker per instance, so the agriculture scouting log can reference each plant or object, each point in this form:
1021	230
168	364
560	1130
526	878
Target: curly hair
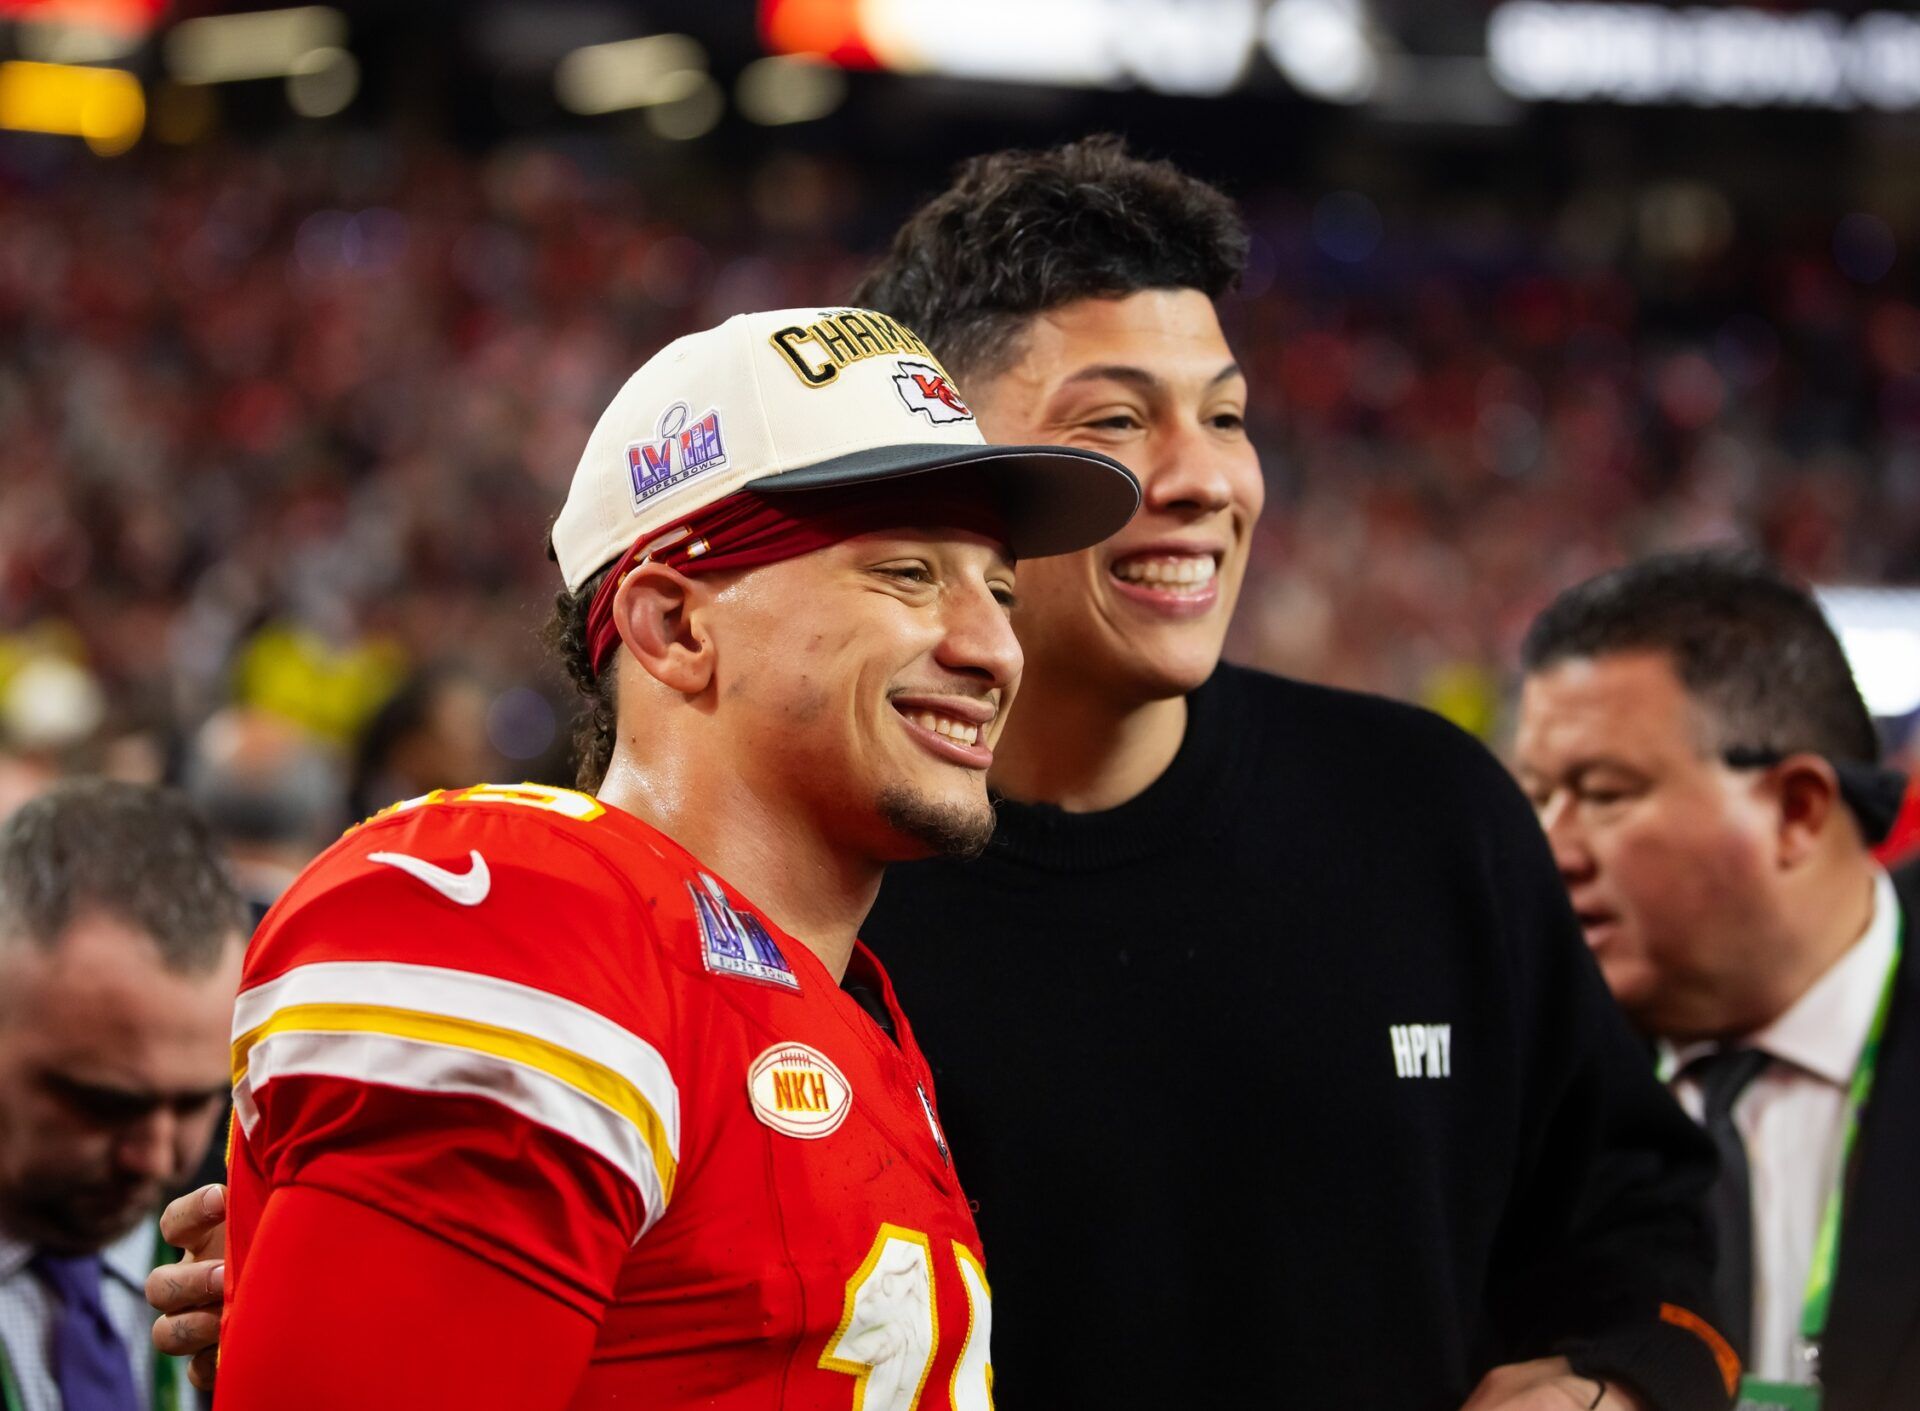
1018	233
596	727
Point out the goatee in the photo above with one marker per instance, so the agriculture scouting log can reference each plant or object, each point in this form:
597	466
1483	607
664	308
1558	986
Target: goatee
950	830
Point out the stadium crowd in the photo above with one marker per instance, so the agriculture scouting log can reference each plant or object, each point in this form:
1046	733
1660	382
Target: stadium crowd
273	423
282	428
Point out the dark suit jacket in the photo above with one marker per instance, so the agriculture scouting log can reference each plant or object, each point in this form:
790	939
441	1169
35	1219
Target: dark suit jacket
1872	1352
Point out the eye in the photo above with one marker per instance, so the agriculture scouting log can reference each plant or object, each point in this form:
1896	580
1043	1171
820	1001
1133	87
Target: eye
1604	795
1117	421
1227	421
1004	595
907	572
101	1105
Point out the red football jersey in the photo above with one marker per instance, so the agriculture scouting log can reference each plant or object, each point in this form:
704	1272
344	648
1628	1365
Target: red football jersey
534	1026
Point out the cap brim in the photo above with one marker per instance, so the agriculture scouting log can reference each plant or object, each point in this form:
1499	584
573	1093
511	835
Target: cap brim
1057	499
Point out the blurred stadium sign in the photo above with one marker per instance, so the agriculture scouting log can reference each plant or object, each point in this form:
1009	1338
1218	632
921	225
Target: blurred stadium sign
1198	47
1347	51
1879	628
1708	57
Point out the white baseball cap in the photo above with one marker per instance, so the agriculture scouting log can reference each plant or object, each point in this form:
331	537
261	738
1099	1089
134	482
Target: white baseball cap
802	399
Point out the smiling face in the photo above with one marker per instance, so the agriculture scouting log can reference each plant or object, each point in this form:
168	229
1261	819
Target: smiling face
1147	379
113	1074
1666	852
867	683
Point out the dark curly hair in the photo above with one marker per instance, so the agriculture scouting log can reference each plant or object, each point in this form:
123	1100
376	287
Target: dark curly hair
1018	233
595	728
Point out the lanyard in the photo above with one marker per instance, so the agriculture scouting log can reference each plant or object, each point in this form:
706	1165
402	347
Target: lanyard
1759	1395
1826	1245
166	1370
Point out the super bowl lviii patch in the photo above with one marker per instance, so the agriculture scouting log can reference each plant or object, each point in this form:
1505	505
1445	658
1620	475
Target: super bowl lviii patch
736	942
682	447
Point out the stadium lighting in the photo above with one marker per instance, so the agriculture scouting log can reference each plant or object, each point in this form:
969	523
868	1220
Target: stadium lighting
1323	48
74	42
1064	42
1736	57
258	44
1199	47
324	84
781	90
1879	629
693	113
104	106
632	73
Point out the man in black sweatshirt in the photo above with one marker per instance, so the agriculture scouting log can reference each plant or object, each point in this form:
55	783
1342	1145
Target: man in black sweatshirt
1266	1040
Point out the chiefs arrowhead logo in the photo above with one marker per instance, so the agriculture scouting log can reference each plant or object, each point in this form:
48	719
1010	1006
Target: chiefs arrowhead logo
924	388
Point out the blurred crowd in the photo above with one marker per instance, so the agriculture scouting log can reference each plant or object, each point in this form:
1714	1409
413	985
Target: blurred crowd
281	430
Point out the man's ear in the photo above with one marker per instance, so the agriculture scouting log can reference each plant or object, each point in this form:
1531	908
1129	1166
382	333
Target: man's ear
656	609
1809	794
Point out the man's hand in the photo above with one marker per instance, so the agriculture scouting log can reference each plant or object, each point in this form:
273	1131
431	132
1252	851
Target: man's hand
189	1294
1546	1385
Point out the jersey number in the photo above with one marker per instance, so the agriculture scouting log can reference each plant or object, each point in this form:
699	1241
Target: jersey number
890	1327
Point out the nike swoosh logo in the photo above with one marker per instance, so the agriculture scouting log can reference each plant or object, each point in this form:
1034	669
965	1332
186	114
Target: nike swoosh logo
468	888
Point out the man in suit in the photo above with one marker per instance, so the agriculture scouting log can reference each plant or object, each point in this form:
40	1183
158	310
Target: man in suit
1707	774
120	943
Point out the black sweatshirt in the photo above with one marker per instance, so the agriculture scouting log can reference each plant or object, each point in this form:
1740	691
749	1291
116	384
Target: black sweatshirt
1290	1082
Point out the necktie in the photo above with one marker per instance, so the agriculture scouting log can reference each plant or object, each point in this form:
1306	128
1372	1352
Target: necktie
90	1362
1723	1076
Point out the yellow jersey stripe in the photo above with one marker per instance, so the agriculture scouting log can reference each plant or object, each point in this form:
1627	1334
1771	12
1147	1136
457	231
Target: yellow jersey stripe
584	1075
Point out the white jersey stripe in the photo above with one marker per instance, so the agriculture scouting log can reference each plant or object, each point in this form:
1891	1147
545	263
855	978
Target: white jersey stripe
429	1067
478	999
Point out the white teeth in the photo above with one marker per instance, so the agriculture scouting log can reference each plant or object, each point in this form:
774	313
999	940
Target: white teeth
963	732
1168	570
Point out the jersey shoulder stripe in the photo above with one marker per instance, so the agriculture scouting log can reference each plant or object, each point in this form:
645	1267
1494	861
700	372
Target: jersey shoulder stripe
435	1029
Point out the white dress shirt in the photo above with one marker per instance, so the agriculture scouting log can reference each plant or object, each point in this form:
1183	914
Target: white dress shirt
27	1308
1793	1121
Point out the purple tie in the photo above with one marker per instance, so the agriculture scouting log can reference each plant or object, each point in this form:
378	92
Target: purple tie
90	1361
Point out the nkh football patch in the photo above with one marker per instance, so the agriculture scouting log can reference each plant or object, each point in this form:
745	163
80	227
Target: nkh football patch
797	1091
735	942
926	389
681	449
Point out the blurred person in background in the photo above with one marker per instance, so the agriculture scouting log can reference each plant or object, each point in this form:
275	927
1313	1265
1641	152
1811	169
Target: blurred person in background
120	946
50	706
1708	778
1302	1079
270	792
431	734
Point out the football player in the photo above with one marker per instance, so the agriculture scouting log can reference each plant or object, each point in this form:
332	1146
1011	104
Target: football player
606	1086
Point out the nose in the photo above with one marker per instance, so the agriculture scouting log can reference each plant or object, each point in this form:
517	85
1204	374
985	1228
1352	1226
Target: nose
1566	838
1192	475
977	640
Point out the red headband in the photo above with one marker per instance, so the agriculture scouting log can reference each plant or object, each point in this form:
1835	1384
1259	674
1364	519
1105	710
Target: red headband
749	530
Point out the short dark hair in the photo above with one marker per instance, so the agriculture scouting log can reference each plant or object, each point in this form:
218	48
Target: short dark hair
138	852
1751	647
1018	233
